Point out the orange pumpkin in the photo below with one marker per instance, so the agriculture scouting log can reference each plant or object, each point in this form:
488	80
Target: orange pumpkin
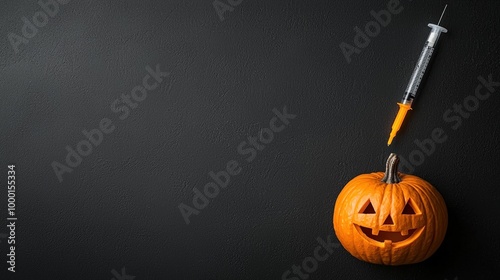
390	218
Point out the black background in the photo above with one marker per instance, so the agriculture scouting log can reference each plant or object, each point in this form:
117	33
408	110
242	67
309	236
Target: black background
119	207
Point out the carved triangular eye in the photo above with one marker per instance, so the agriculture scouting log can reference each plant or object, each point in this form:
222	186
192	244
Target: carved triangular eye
408	210
368	208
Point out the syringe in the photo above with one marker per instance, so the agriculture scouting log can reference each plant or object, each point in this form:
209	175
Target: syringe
417	76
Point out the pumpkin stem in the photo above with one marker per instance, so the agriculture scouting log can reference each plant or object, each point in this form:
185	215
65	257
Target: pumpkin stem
391	170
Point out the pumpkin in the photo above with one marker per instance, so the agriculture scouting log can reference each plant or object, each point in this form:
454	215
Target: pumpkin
390	218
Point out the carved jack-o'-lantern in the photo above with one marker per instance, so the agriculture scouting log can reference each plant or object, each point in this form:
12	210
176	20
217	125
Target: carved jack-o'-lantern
390	218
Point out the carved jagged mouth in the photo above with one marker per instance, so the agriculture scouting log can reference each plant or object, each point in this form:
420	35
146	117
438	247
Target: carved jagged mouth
389	237
394	236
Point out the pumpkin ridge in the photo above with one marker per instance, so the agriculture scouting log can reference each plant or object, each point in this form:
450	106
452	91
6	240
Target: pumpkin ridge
425	234
344	194
438	217
406	198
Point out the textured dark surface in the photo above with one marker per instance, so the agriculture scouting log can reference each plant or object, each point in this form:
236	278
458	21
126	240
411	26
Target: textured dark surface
119	207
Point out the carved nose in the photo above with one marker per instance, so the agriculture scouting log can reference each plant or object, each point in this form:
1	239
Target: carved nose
388	221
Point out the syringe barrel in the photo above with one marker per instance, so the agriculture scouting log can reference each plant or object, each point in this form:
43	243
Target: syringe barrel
423	61
418	74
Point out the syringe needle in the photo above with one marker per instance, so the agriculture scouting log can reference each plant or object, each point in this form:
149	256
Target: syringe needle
442	14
